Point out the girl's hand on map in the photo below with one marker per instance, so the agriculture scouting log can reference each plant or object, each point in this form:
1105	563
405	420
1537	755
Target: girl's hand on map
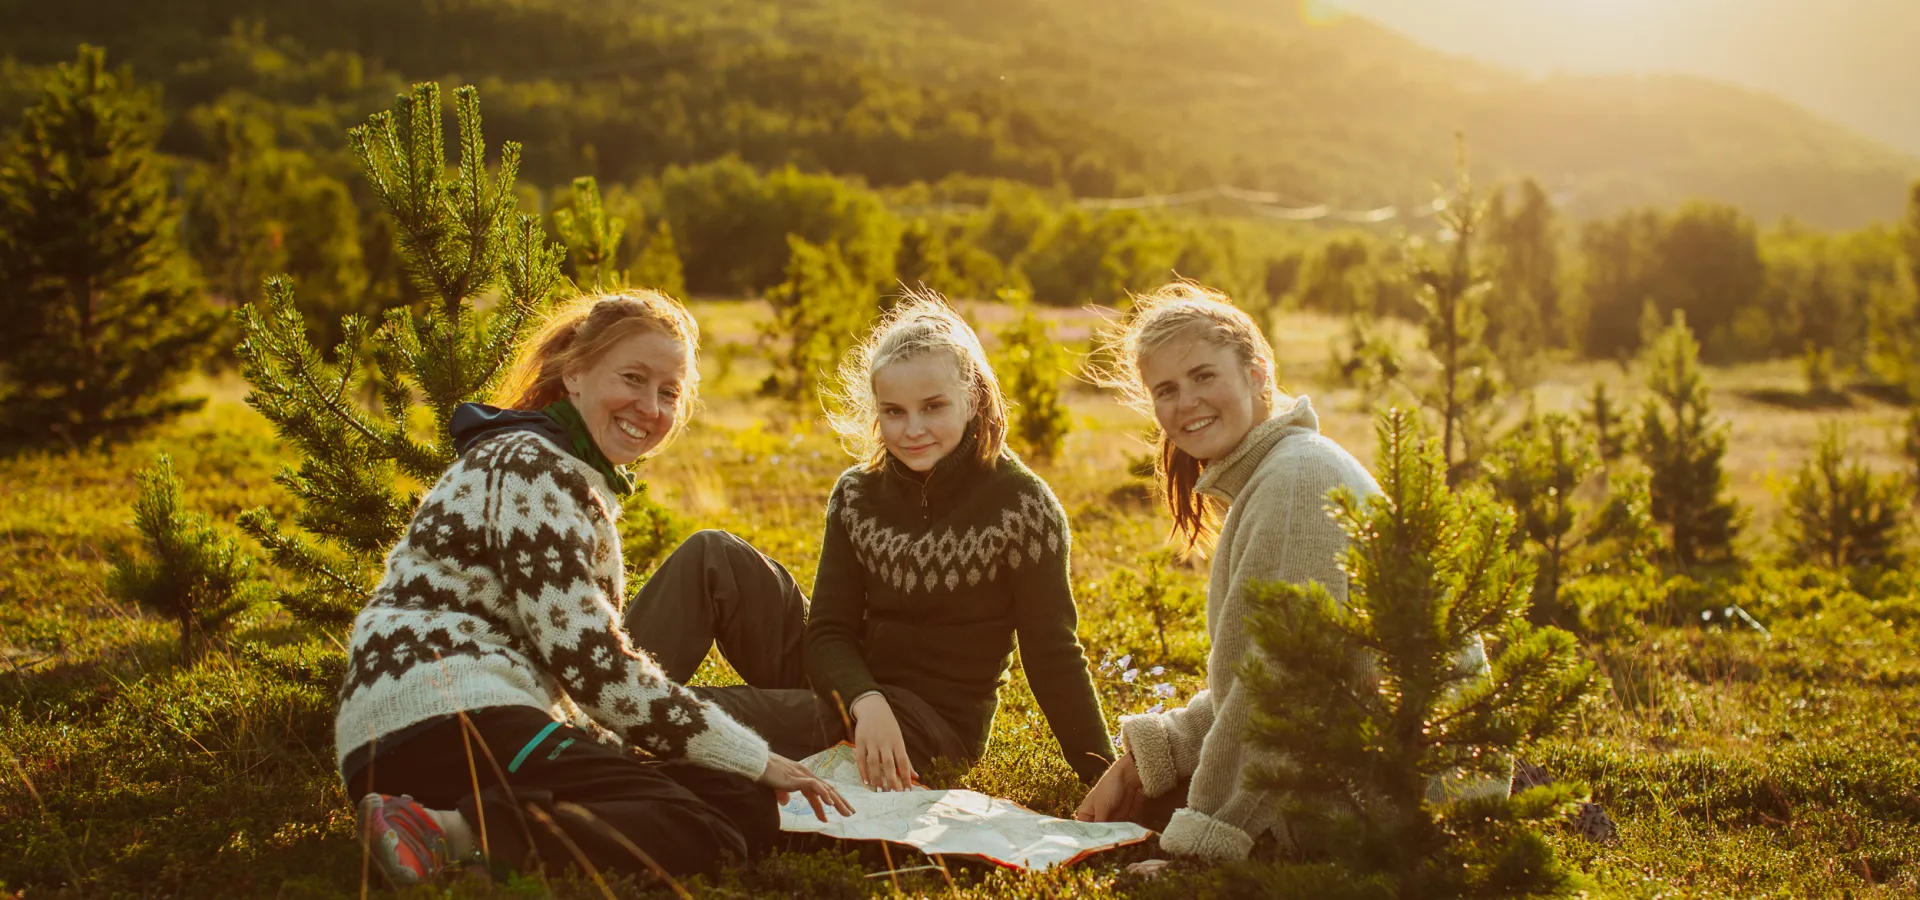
1117	797
787	777
878	746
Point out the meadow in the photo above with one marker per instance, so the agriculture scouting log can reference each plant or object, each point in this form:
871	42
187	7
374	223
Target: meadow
1775	757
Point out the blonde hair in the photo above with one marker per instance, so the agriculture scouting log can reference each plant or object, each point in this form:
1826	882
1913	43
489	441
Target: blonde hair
921	324
1181	309
576	334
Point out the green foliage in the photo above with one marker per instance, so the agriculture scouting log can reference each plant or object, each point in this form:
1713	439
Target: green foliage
1376	710
1524	310
732	224
359	470
1841	515
188	572
659	264
1030	364
102	313
1603	419
817	314
592	237
1453	285
1682	449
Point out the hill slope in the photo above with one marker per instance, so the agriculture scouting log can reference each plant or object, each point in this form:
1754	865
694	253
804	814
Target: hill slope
1102	96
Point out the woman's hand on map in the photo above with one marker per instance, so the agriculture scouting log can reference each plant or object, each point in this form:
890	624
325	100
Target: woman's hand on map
878	746
787	777
1117	797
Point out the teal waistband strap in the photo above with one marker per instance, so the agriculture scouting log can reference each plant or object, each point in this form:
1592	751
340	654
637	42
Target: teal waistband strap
528	749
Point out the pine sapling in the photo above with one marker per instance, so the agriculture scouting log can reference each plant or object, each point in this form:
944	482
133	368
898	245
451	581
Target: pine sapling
1030	365
592	236
1682	449
817	312
1377	719
1604	419
1453	283
659	265
102	313
360	470
1841	515
186	570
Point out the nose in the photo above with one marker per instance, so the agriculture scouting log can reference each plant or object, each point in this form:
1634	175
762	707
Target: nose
647	404
915	425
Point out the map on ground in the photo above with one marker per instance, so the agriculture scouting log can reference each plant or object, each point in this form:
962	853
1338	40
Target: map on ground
964	823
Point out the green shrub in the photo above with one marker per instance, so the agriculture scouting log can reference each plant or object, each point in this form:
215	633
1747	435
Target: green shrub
1841	515
188	572
1682	449
1030	364
1364	705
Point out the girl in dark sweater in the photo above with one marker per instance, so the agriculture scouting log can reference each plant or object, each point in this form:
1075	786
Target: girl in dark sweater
940	549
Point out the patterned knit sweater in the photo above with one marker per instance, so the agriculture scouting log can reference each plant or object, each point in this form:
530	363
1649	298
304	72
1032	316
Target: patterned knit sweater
924	583
505	591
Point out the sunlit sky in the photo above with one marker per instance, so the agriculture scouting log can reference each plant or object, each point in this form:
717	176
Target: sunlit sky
1854	61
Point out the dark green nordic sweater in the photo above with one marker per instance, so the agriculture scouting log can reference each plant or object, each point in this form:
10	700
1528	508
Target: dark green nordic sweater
924	583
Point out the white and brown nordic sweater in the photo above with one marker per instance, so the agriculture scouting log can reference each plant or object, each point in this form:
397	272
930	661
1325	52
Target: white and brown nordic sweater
506	591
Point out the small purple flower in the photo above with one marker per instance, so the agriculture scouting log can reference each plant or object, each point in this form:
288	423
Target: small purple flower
1157	670
1125	660
1157	708
1130	675
1116	741
1163	689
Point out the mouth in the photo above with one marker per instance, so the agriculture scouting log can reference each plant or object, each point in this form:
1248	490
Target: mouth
1198	424
920	449
632	431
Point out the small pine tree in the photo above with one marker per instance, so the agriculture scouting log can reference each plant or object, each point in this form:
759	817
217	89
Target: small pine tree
1030	365
1603	418
1366	707
1453	286
1682	450
188	572
591	235
1537	470
659	264
817	312
1816	366
1842	515
102	313
356	482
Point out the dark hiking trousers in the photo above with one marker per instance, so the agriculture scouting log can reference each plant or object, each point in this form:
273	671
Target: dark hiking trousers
545	786
716	589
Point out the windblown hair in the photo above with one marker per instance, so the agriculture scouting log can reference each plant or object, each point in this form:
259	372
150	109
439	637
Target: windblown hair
579	332
920	325
1180	309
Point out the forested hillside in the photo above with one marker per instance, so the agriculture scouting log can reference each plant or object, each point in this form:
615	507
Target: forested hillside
1103	98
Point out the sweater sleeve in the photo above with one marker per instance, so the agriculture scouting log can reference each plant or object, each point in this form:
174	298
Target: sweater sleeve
836	621
1284	534
561	577
1045	621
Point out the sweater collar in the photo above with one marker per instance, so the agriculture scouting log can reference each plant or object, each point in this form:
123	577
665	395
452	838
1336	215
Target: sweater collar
1224	478
948	475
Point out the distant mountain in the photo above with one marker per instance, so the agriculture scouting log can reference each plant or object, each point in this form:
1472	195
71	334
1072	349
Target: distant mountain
1351	112
1099	96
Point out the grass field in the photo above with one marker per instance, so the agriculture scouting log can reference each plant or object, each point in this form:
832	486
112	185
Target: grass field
1735	762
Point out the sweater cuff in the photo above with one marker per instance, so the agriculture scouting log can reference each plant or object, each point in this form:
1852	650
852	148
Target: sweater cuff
1146	738
728	746
1194	833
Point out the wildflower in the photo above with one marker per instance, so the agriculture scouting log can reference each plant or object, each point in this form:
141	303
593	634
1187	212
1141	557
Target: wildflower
1157	708
1130	675
1116	740
1157	670
1163	689
1125	660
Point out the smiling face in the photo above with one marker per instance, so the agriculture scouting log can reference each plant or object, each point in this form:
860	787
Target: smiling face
924	408
631	395
1204	397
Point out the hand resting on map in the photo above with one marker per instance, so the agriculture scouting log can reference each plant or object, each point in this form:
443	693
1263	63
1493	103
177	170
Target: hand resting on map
879	748
1117	797
787	777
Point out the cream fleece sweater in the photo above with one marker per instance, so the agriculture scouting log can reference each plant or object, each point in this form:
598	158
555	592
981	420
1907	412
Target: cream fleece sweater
1277	528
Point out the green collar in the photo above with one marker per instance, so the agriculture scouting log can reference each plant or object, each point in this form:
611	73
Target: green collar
562	412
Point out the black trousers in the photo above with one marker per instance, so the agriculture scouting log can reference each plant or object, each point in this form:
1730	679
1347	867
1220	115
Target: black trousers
549	794
716	589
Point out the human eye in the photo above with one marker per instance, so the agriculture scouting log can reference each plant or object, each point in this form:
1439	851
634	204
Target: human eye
1203	377
632	378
